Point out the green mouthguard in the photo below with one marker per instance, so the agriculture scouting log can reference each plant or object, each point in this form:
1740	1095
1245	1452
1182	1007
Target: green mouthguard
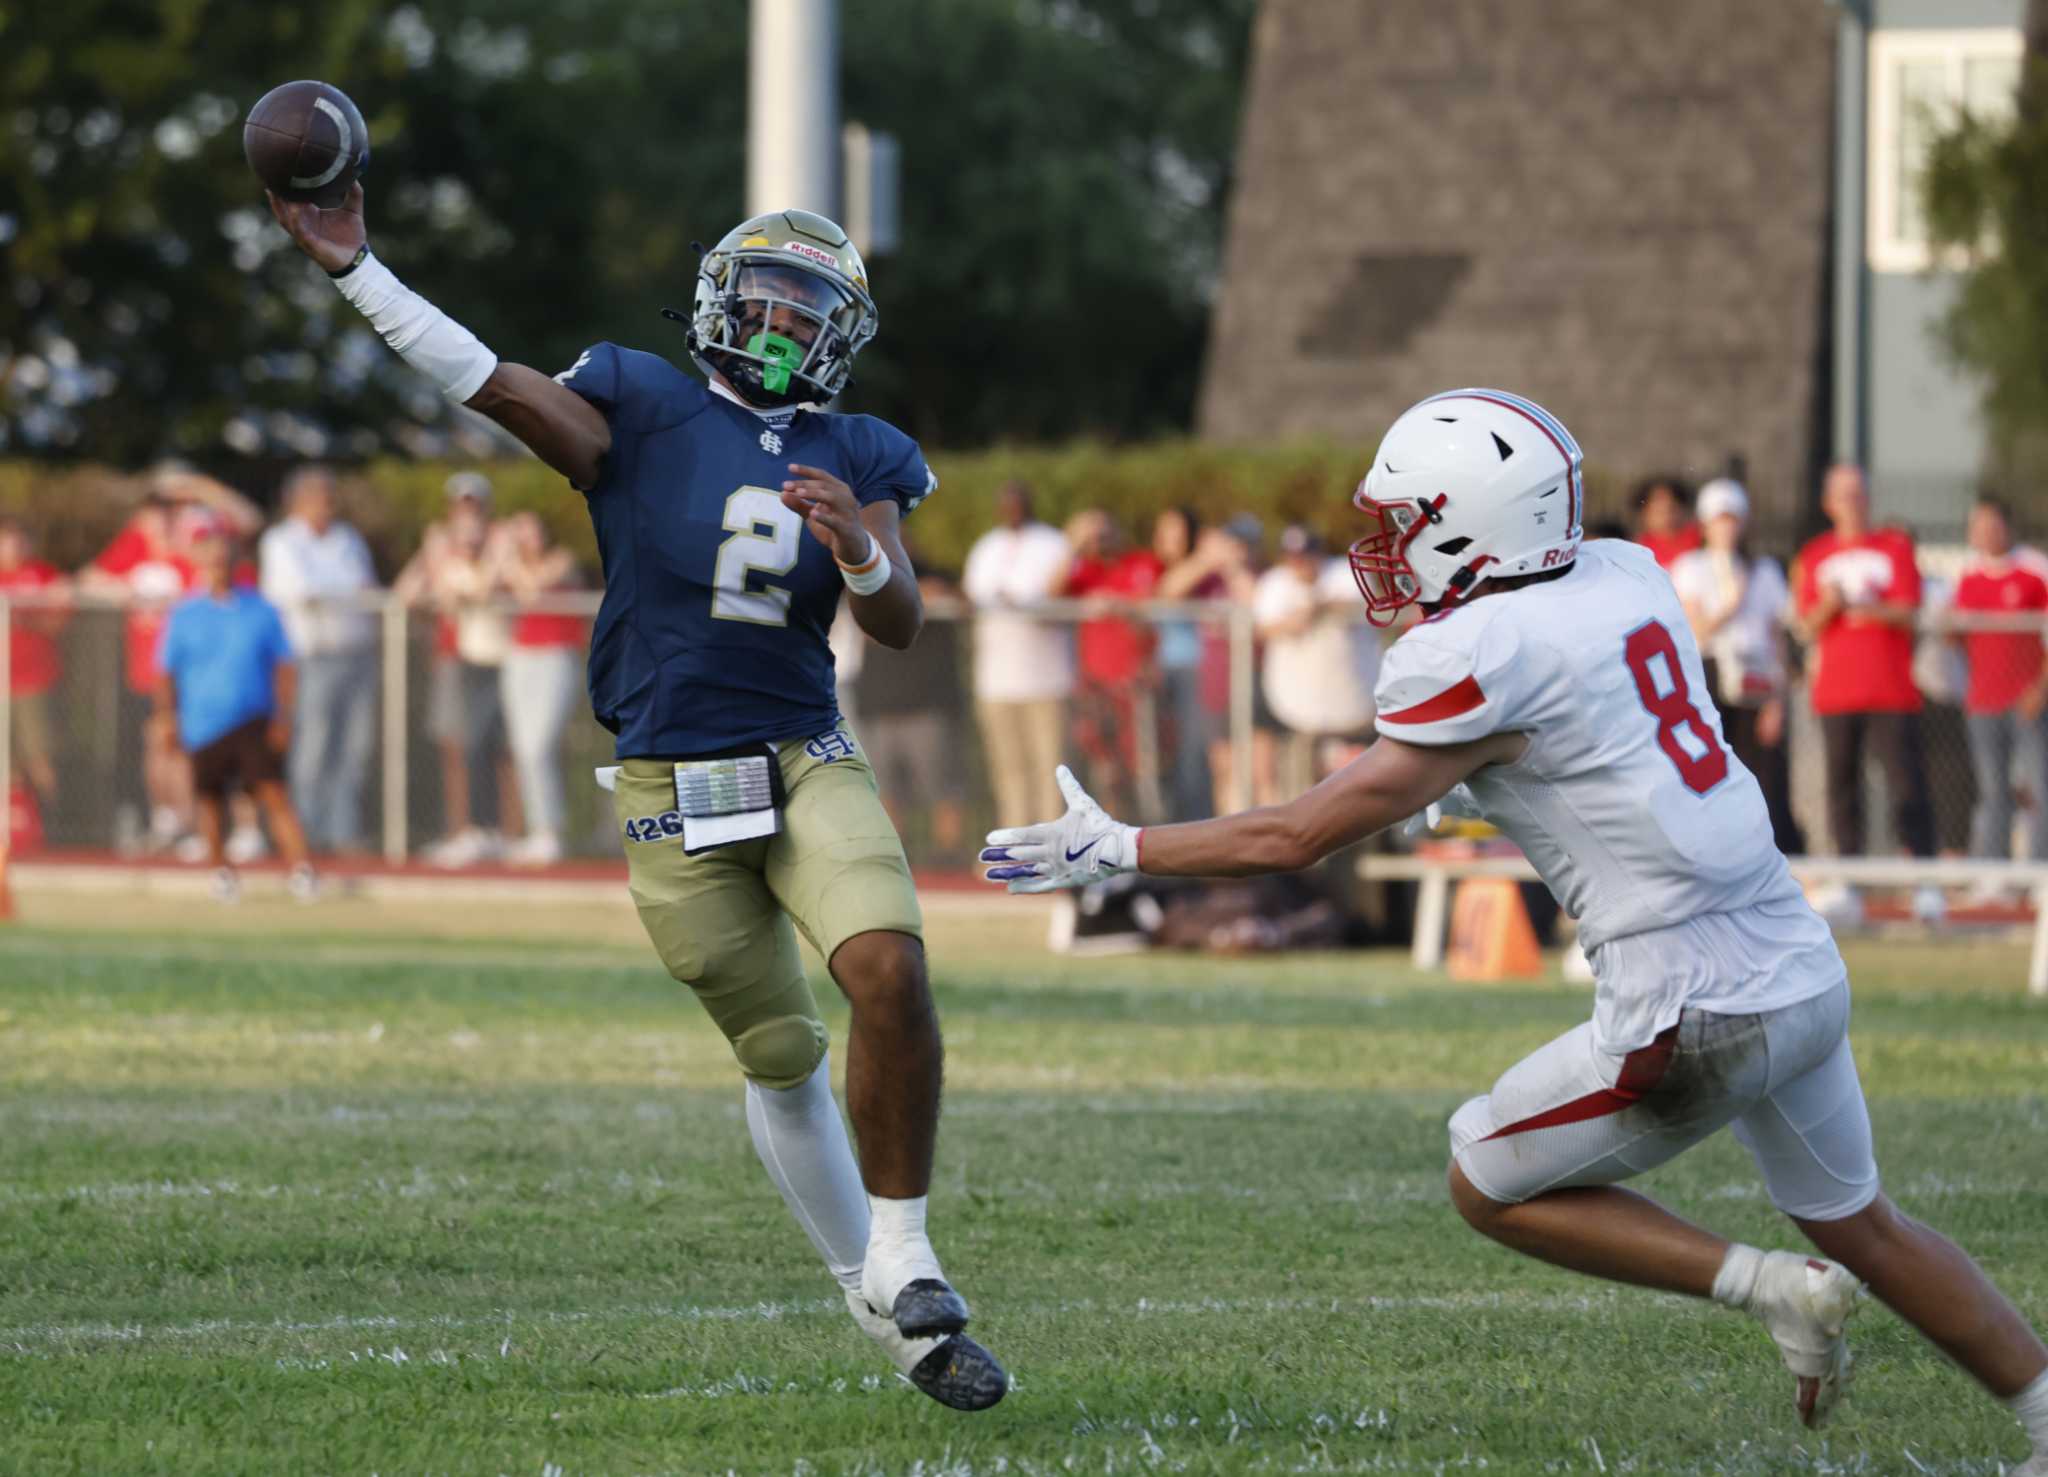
782	354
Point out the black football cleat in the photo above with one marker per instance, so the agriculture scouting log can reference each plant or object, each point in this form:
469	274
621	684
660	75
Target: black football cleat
928	1309
961	1374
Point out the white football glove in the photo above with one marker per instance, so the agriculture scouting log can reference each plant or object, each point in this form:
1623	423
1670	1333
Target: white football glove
1085	845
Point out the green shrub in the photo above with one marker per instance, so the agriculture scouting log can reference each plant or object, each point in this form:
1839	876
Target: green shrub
77	509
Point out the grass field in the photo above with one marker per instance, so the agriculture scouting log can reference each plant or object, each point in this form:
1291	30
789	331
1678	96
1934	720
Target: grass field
413	1192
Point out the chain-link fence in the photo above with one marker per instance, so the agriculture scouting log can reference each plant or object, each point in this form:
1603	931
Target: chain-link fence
465	737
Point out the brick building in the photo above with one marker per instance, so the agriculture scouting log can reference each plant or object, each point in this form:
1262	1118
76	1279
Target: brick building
1679	226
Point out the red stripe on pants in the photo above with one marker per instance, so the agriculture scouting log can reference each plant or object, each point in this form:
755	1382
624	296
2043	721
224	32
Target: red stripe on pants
1641	1070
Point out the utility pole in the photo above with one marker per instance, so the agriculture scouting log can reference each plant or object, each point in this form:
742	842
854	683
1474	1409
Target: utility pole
793	146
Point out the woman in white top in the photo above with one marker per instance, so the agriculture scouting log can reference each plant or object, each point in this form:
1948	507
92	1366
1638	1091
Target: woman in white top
1737	604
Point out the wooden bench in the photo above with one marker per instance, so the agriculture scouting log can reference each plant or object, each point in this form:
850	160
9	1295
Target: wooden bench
1435	872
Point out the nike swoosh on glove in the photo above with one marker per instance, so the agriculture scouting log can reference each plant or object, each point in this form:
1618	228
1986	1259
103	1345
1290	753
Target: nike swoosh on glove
1085	845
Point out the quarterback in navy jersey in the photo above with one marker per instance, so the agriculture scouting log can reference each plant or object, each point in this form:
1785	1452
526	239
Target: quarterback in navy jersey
713	631
732	515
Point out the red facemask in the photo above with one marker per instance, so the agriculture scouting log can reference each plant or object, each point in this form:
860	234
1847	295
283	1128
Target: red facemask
1379	561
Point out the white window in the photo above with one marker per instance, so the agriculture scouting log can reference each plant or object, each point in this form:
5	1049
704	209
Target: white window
1919	82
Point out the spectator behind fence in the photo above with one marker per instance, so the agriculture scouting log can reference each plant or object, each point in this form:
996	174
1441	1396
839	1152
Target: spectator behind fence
1023	665
541	677
1186	727
1113	699
909	704
1859	601
1738	604
315	570
147	567
1231	553
143	567
224	695
2007	687
1320	662
465	710
33	663
1664	519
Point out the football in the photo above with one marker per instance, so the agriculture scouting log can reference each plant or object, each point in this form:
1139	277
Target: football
306	141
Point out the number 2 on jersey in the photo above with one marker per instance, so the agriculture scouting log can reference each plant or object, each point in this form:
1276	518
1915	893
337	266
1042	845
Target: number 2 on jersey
754	550
1673	709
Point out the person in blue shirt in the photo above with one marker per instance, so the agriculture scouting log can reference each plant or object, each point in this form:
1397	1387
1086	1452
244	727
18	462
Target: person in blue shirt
733	514
224	687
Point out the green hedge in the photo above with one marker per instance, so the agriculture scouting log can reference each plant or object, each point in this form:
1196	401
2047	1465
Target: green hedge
77	508
1312	483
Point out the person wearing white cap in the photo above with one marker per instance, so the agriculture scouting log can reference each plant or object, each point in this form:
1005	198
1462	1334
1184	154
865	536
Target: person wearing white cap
1737	604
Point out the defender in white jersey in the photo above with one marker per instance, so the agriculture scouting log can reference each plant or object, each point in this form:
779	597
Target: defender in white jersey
1556	691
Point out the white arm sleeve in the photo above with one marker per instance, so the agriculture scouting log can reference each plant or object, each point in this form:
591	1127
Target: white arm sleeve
424	336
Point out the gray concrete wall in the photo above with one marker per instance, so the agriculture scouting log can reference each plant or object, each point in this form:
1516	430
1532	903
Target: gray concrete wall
1619	209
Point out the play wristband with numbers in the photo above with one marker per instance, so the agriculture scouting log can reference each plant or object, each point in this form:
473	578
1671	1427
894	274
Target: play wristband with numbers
865	579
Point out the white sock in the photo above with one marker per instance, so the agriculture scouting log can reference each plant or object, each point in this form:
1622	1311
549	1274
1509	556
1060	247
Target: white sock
1735	1283
896	1220
899	1252
803	1145
2031	1406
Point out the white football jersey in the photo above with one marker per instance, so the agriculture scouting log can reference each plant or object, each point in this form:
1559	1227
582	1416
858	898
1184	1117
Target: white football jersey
1628	800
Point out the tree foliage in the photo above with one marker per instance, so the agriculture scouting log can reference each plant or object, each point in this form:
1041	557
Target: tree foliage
1987	198
540	168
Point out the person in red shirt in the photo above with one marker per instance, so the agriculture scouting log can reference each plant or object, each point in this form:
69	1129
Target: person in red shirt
1859	601
2008	681
144	567
1114	653
1664	521
541	678
36	594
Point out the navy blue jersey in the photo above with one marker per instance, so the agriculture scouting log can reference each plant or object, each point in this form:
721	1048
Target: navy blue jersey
717	599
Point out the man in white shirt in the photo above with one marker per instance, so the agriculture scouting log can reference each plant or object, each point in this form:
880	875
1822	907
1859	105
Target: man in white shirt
1320	663
314	568
1023	666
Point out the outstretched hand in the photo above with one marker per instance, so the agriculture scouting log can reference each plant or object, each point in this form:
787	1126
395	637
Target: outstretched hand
331	237
1084	845
830	510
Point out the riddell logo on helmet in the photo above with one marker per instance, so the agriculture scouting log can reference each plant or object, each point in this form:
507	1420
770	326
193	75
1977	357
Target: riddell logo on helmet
825	258
1554	557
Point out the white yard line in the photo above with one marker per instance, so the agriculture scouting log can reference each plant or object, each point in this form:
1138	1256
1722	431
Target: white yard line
113	879
19	1339
420	1185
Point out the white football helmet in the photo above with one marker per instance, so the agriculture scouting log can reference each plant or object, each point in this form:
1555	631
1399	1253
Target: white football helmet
1468	485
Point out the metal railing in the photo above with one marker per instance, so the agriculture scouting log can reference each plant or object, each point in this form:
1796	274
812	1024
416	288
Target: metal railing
95	708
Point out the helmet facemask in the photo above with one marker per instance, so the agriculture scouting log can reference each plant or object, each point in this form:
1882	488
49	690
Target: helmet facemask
1379	561
781	332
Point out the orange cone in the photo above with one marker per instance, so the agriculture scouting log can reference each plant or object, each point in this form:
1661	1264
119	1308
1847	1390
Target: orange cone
1490	934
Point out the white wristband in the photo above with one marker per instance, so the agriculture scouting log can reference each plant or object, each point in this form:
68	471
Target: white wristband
424	336
867	578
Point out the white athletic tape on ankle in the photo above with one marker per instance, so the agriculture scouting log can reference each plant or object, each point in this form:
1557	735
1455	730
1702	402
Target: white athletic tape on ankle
424	336
2031	1406
1736	1281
